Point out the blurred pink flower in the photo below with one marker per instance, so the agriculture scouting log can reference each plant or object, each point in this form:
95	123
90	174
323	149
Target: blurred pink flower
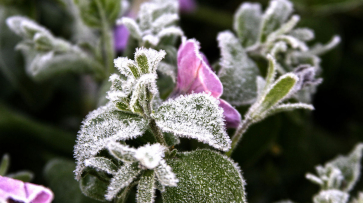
187	5
195	76
16	190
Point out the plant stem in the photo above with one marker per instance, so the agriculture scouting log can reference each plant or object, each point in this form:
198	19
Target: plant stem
238	134
107	39
157	132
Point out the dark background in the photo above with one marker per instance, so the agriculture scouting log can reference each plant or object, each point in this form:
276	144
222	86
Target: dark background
40	120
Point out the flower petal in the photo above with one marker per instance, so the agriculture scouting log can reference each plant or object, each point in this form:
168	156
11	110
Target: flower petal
194	74
187	5
26	192
231	115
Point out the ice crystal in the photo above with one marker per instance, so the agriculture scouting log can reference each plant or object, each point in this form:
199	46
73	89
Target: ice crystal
196	116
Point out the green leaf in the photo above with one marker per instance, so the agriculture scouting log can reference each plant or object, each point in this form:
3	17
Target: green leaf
60	178
195	116
25	176
247	22
124	176
93	12
93	187
146	187
205	176
276	14
238	73
4	165
277	93
102	125
132	26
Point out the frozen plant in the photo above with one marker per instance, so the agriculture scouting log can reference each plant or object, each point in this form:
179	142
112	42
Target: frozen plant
132	140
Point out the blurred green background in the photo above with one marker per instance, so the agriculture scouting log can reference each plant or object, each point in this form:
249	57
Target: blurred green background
39	120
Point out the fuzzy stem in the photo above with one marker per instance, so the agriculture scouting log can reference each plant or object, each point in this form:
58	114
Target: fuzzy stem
107	39
157	132
242	128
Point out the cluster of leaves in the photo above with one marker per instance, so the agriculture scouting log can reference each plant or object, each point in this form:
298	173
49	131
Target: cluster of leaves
338	177
47	56
108	167
130	114
258	36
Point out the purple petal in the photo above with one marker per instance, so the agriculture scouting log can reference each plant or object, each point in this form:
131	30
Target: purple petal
26	192
121	36
231	115
194	74
187	5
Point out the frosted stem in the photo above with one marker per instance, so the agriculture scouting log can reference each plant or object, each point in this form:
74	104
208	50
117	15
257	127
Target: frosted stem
157	132
238	134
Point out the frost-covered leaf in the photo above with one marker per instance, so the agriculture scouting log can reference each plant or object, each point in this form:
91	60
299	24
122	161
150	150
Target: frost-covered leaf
281	89
289	107
320	49
194	116
146	187
303	34
331	196
93	187
148	59
165	20
94	12
294	42
276	14
101	164
238	73
156	20
46	55
165	175
247	22
102	125
4	165
168	70
45	66
341	173
285	28
349	166
123	177
122	152
132	26
205	176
